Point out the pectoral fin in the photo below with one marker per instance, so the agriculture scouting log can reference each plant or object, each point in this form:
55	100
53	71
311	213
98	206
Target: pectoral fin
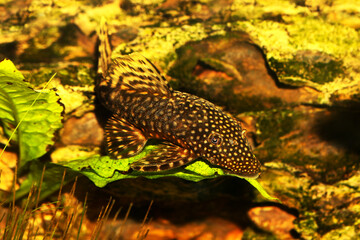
167	156
123	139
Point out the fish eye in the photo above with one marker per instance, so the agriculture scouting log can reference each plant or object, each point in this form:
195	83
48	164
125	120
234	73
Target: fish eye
215	138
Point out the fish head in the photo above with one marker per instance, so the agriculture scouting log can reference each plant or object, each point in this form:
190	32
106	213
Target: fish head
227	146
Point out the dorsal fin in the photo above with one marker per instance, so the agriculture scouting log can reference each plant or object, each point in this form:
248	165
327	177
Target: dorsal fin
136	74
104	49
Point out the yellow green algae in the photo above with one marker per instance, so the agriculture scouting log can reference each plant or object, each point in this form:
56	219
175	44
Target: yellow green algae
149	41
303	30
158	44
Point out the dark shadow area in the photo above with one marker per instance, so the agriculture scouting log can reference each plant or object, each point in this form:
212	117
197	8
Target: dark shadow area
8	50
341	127
102	115
177	200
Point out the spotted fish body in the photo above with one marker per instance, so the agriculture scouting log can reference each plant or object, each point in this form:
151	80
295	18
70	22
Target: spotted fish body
145	107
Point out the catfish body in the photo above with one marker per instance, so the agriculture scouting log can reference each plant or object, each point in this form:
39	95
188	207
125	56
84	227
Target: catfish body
145	107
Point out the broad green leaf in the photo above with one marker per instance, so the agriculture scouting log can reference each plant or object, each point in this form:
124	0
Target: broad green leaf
8	69
104	170
42	119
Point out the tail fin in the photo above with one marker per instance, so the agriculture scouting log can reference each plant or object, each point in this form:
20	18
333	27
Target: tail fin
104	49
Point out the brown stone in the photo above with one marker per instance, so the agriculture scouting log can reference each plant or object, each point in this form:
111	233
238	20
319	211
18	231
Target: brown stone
82	131
160	229
232	71
274	220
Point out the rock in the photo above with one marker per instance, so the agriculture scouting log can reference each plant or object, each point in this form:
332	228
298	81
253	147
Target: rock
8	162
84	131
232	72
274	220
161	229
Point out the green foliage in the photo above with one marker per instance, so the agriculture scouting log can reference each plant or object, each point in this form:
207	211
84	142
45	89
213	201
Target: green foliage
38	113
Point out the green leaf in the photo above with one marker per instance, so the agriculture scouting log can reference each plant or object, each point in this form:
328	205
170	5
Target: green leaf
39	119
257	185
104	170
262	191
8	69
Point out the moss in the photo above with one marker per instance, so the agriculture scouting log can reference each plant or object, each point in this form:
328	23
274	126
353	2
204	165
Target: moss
157	43
71	75
308	227
319	72
40	76
76	76
282	120
285	39
36	55
331	203
317	34
336	220
258	234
